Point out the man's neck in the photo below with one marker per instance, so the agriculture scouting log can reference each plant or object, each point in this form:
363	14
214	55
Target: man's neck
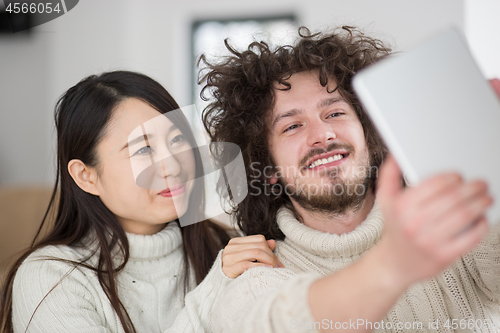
336	223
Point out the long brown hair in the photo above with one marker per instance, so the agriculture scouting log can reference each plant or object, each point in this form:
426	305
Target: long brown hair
241	93
81	117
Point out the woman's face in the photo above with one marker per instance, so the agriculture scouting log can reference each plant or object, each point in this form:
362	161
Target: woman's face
145	168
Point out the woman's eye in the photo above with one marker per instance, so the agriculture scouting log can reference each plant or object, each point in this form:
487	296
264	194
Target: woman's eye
177	139
143	151
291	128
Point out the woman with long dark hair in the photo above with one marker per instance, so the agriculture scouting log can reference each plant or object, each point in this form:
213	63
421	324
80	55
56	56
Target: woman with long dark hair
116	259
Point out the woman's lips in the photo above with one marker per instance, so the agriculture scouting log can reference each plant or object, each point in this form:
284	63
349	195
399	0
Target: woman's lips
173	191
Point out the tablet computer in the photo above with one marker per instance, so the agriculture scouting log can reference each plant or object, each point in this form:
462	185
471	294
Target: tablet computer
436	112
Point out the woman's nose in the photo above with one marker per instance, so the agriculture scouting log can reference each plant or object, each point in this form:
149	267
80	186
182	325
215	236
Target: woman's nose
169	166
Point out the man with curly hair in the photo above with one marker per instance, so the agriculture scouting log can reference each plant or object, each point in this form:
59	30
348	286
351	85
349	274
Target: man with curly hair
361	251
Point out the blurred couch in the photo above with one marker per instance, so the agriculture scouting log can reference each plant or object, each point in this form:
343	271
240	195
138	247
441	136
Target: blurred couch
21	212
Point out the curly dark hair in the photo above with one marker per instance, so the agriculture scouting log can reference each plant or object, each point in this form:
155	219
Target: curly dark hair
240	89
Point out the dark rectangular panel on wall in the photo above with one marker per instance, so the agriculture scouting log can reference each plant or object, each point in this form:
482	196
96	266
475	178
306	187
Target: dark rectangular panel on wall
21	22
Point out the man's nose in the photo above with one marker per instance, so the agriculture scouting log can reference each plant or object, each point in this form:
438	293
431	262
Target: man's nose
320	133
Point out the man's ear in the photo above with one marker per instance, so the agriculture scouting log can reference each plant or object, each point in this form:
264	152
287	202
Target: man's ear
84	176
273	180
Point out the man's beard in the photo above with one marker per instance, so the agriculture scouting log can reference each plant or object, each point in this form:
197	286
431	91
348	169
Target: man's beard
336	195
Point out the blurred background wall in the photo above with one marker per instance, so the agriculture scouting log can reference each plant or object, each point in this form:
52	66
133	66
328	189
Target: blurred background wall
154	37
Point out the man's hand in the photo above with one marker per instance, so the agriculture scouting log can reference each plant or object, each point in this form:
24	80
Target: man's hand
242	253
429	226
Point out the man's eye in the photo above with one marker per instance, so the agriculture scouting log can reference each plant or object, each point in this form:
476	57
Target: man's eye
144	151
291	128
177	139
335	114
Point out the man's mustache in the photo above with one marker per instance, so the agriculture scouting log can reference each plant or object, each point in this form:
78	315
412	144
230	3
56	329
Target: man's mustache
318	151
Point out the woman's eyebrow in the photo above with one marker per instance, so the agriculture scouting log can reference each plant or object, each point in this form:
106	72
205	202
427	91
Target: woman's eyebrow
145	137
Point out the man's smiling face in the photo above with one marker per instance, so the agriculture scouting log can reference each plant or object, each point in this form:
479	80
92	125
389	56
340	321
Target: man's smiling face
318	146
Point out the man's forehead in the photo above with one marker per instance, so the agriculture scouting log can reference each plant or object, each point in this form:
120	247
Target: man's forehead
304	89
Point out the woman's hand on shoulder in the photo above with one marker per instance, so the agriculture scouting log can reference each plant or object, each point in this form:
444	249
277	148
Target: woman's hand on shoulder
242	253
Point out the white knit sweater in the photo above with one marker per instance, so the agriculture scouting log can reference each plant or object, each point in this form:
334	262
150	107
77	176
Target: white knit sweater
268	300
51	297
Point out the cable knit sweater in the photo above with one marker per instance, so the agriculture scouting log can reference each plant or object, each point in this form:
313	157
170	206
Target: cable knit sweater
464	298
50	296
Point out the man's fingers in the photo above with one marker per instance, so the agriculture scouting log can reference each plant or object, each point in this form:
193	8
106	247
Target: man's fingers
432	188
449	200
463	216
271	243
389	181
465	241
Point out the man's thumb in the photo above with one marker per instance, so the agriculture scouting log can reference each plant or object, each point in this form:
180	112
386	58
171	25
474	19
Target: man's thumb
389	180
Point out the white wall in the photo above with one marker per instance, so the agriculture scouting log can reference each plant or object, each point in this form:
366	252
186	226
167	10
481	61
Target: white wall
24	125
95	36
401	23
152	36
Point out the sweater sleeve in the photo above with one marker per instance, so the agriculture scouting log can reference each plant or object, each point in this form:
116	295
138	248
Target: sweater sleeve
196	316
265	300
483	263
51	296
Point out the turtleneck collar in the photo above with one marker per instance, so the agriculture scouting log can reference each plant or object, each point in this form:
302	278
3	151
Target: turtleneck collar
157	245
328	245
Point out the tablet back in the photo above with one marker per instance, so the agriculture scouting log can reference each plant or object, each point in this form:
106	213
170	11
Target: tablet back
436	112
